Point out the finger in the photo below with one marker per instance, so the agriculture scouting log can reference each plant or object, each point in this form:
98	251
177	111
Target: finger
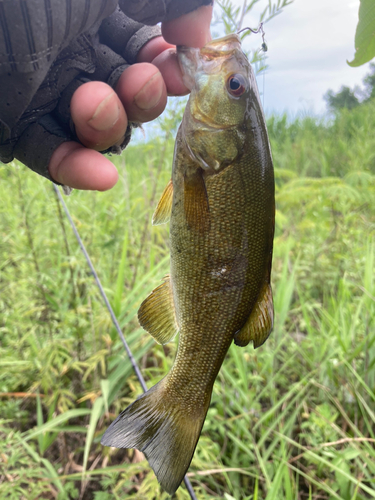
142	91
168	65
78	167
98	115
153	48
191	29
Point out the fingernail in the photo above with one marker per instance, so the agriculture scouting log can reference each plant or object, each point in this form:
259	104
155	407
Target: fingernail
106	114
145	99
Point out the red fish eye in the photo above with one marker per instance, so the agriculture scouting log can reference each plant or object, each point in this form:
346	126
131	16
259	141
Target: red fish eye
236	85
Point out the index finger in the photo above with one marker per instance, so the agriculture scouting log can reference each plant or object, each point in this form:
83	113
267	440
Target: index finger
191	29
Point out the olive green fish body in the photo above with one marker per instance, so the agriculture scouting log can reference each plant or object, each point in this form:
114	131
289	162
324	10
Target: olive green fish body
217	276
220	203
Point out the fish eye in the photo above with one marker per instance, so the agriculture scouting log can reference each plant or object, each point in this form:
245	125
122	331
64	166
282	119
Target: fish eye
236	85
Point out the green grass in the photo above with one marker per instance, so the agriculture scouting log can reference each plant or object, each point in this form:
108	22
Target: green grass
291	420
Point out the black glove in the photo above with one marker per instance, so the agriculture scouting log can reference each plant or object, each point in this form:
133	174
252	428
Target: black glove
51	47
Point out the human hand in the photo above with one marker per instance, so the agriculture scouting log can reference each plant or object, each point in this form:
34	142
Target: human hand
101	114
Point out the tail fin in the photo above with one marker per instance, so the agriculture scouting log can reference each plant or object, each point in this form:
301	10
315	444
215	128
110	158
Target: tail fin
157	425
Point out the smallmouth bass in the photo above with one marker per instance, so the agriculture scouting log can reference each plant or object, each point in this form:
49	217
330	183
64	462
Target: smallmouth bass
221	207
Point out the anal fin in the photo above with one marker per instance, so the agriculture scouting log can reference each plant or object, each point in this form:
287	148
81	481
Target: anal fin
260	322
157	313
163	210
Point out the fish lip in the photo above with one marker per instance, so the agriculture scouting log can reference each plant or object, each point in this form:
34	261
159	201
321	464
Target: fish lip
222	47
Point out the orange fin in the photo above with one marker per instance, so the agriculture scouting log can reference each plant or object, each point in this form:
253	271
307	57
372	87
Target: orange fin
157	313
260	322
196	202
163	210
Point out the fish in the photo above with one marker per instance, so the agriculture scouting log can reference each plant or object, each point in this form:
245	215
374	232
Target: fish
220	204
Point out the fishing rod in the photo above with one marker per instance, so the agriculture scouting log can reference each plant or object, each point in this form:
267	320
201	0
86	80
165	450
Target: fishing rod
112	314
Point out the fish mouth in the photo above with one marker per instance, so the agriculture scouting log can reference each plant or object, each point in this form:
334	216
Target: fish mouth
221	47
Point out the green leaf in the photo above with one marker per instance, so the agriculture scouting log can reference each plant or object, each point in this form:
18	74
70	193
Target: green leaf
52	472
94	417
52	424
121	276
105	386
256	488
365	34
39	419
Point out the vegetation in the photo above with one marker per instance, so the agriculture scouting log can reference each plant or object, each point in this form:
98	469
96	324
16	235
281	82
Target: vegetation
293	419
345	98
351	98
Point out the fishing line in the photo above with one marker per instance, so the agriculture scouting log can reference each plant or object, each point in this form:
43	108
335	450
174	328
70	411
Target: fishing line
264	79
264	48
112	314
259	30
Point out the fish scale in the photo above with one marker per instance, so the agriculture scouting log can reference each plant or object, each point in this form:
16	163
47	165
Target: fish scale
194	281
220	203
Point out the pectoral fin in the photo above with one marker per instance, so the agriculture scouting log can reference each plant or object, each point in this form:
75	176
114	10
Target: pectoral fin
260	322
157	313
163	210
196	202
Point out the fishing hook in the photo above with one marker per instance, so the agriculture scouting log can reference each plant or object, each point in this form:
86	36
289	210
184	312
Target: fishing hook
259	30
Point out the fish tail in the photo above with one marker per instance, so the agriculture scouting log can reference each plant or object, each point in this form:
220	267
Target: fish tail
163	430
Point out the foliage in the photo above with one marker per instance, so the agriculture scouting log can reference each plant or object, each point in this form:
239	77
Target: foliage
229	18
348	98
292	419
369	82
345	98
232	16
365	34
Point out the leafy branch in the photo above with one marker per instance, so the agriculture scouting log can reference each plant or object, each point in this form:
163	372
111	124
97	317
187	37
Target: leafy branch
230	19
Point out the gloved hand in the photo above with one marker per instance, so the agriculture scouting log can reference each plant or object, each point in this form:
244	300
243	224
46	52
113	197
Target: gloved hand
73	102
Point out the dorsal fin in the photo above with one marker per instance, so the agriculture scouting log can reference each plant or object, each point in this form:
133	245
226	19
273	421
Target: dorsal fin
260	322
157	313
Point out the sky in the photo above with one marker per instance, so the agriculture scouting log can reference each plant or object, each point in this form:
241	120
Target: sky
308	46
